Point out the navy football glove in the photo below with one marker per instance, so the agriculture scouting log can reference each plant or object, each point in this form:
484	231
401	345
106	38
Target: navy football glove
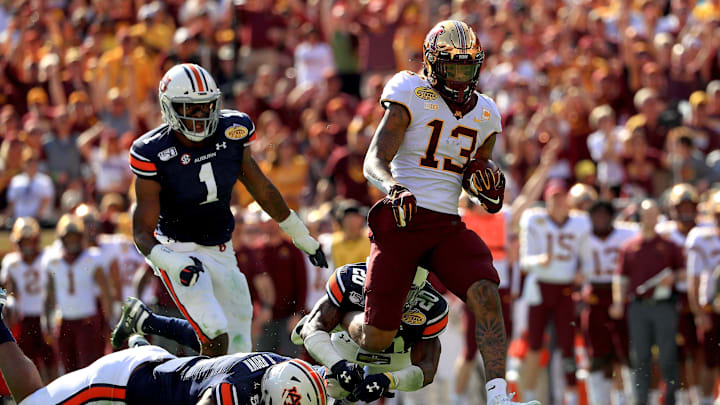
373	387
349	375
318	258
190	274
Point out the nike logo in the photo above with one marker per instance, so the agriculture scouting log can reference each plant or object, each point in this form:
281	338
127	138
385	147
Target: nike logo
491	388
492	200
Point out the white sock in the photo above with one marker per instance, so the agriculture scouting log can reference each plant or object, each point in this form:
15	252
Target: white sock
497	387
617	397
597	394
706	400
529	395
571	398
458	399
627	381
682	397
654	397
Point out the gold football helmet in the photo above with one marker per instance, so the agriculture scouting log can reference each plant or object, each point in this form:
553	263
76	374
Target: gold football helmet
452	56
581	196
24	227
69	223
681	193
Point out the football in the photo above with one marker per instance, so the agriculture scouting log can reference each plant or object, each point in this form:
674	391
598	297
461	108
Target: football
474	166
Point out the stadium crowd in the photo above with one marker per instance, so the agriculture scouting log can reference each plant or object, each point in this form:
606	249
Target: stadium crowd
620	96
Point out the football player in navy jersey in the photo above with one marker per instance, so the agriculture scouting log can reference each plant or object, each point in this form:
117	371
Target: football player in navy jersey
410	362
150	375
186	169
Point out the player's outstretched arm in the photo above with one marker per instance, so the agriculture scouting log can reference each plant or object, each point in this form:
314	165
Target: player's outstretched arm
385	144
272	202
21	375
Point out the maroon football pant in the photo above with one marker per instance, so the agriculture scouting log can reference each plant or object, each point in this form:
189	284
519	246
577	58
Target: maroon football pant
557	304
470	348
78	344
606	338
687	341
33	344
439	242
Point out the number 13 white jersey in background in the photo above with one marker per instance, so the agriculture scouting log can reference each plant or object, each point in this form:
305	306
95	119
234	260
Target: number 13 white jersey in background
437	144
605	252
565	244
703	257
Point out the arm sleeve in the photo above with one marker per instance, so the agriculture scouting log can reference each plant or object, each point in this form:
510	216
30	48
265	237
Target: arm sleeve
334	289
530	253
696	258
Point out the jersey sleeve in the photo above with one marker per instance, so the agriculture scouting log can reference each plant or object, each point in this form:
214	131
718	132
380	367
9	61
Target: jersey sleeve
529	252
238	126
696	255
344	287
495	120
398	90
438	316
225	393
141	162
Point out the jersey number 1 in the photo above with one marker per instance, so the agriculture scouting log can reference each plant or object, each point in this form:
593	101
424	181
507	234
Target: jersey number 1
207	177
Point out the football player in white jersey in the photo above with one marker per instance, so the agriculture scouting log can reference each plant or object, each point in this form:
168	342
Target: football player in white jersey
606	338
682	202
703	260
73	274
552	241
434	123
23	277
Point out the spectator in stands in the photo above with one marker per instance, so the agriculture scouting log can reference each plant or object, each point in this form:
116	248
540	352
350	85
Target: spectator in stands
30	193
313	58
288	170
349	243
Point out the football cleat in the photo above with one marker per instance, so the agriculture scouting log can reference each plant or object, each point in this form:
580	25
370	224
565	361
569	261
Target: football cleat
137	341
134	313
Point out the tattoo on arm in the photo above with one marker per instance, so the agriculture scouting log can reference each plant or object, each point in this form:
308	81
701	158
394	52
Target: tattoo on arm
262	189
384	146
484	301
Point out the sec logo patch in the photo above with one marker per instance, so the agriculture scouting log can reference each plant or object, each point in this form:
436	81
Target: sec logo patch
185	159
426	93
413	318
236	132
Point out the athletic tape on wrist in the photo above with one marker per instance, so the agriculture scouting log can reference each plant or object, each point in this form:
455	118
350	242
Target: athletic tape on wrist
409	379
320	347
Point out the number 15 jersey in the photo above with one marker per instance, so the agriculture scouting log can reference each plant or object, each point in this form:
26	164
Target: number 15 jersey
437	144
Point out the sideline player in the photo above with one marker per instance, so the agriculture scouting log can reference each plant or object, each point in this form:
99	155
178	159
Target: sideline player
150	375
552	240
23	276
186	169
408	365
703	259
606	338
433	124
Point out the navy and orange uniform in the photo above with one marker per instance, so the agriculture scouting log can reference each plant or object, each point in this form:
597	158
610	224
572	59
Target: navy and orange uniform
425	318
234	379
196	183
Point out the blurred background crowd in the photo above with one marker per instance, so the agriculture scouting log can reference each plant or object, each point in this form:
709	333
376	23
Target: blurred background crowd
627	92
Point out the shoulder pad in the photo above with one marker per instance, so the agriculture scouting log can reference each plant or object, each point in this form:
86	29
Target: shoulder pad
237	126
147	150
345	286
404	86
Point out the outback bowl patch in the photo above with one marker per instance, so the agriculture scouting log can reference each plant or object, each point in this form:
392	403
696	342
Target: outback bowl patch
426	93
236	132
413	318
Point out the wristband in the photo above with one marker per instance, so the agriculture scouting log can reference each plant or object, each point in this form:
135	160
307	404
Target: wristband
167	259
409	379
294	226
320	347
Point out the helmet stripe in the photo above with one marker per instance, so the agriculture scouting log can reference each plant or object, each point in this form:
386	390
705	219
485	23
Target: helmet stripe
197	77
202	73
187	72
461	34
316	383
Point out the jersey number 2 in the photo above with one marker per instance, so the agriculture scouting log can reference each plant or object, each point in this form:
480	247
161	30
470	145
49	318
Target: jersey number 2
207	177
429	159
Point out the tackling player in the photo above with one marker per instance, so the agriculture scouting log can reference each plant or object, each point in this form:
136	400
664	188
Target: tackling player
23	276
433	125
606	338
182	223
408	365
552	240
150	375
703	259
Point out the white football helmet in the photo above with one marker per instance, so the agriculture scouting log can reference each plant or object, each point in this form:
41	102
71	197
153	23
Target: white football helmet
293	382
189	84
